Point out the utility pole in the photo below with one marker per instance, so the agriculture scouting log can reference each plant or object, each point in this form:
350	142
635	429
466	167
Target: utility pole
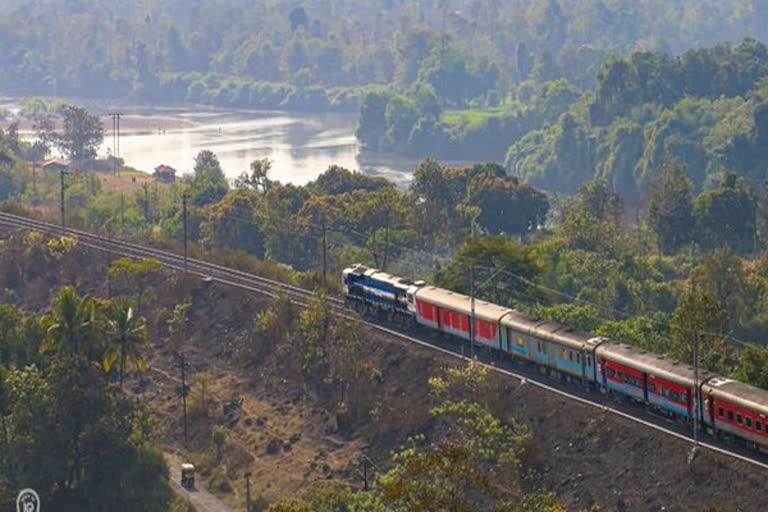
145	186
63	173
183	363
184	215
116	139
386	242
248	491
325	253
695	389
696	398
122	212
365	474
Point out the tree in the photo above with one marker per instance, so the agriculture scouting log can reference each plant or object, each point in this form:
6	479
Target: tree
209	184
702	318
338	180
134	278
753	366
74	441
219	437
726	217
234	223
471	450
279	221
72	327
721	276
258	179
126	336
596	200
505	205
401	114
372	125
506	270
319	214
298	18
178	325
670	208
315	329
82	134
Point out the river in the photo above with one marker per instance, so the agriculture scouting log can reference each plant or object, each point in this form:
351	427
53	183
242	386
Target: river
301	146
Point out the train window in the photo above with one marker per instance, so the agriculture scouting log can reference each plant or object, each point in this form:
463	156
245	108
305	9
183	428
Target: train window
578	358
651	387
609	372
739	419
589	362
541	348
720	412
570	355
758	426
749	422
730	416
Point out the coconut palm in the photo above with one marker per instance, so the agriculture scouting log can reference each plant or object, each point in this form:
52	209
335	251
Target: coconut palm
126	336
72	324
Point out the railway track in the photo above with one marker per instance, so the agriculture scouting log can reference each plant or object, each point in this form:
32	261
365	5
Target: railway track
301	296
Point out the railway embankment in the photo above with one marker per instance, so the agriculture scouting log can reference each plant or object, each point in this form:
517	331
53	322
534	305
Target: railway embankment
292	432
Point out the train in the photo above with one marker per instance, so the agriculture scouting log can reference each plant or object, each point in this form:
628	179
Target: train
723	407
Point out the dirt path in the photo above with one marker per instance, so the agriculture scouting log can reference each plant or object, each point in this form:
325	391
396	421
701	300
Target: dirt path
199	496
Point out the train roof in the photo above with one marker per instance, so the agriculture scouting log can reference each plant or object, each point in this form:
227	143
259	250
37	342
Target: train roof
653	364
738	393
548	331
374	273
461	303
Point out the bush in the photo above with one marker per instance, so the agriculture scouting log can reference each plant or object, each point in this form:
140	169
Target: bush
219	481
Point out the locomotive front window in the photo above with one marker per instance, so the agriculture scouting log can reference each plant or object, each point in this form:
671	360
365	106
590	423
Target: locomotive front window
758	426
739	419
749	422
720	412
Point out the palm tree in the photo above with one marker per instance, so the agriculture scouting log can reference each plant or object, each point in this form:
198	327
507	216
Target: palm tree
126	336
72	324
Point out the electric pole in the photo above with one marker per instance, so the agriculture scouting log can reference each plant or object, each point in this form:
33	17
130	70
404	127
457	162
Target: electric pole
325	254
63	173
122	212
116	140
183	364
248	491
696	389
145	186
184	215
386	242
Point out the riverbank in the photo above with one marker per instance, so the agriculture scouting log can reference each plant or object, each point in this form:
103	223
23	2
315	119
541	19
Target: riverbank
129	124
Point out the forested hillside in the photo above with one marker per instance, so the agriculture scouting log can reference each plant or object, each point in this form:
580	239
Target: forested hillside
708	109
217	51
